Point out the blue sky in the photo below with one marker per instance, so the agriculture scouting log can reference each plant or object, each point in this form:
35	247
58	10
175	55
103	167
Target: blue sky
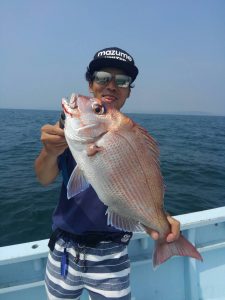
178	46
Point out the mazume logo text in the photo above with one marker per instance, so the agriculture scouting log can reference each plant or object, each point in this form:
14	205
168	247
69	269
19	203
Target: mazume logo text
115	54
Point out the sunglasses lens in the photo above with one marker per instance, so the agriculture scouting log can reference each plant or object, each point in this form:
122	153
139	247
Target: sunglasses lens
121	80
102	77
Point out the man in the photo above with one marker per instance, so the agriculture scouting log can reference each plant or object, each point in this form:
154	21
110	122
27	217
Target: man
85	251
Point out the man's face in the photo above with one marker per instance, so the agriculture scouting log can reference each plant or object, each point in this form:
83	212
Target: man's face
113	94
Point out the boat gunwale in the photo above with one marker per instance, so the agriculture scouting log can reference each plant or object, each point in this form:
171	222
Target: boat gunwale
39	249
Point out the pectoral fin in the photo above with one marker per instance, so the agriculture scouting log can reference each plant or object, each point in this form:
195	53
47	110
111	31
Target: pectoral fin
77	183
93	149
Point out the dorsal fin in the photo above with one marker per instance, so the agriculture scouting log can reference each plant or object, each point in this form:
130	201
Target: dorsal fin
149	140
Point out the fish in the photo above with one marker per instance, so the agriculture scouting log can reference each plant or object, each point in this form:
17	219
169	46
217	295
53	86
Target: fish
120	160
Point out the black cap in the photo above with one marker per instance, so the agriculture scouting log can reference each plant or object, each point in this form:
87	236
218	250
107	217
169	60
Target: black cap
114	58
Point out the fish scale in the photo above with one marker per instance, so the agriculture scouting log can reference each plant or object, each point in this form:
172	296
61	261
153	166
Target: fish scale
114	184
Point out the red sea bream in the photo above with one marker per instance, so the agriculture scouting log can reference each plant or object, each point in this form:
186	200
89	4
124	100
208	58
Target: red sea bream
121	162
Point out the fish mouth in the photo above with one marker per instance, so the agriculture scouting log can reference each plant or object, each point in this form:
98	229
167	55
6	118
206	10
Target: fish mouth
73	101
71	107
66	108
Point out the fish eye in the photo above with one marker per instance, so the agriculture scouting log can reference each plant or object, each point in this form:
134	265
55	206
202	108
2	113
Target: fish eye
98	109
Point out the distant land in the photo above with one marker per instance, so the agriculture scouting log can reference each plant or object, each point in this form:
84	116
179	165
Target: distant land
154	112
183	113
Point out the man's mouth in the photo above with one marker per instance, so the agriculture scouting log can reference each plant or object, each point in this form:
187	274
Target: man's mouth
109	98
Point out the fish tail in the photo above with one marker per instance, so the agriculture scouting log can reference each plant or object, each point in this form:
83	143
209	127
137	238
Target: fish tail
180	247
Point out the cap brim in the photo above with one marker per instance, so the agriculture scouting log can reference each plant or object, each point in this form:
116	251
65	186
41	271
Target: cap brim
97	64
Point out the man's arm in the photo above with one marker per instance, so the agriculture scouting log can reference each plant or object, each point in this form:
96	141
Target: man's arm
54	144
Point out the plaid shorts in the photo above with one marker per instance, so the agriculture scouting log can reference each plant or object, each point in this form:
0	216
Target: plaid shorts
103	270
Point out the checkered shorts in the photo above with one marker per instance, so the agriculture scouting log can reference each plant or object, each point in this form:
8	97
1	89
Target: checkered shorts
103	270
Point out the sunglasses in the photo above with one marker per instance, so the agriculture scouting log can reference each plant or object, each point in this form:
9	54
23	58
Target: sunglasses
121	80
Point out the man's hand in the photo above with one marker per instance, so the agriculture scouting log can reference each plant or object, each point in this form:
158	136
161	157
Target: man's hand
53	139
172	236
175	230
54	142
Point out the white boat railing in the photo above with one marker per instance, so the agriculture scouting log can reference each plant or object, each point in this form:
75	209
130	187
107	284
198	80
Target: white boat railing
205	229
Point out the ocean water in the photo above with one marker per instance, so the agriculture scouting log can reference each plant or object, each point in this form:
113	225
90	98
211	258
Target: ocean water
192	160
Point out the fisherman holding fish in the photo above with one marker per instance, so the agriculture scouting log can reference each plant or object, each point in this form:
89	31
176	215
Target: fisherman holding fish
91	230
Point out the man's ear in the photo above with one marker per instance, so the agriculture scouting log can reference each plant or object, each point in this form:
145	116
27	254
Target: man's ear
129	92
90	87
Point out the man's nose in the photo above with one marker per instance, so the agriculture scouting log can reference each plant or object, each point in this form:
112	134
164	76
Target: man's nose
111	84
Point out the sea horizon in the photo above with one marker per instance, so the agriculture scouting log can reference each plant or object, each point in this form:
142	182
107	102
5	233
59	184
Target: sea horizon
176	113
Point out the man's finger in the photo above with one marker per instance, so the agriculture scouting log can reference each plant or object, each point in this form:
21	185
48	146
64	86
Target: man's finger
54	130
175	229
154	234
